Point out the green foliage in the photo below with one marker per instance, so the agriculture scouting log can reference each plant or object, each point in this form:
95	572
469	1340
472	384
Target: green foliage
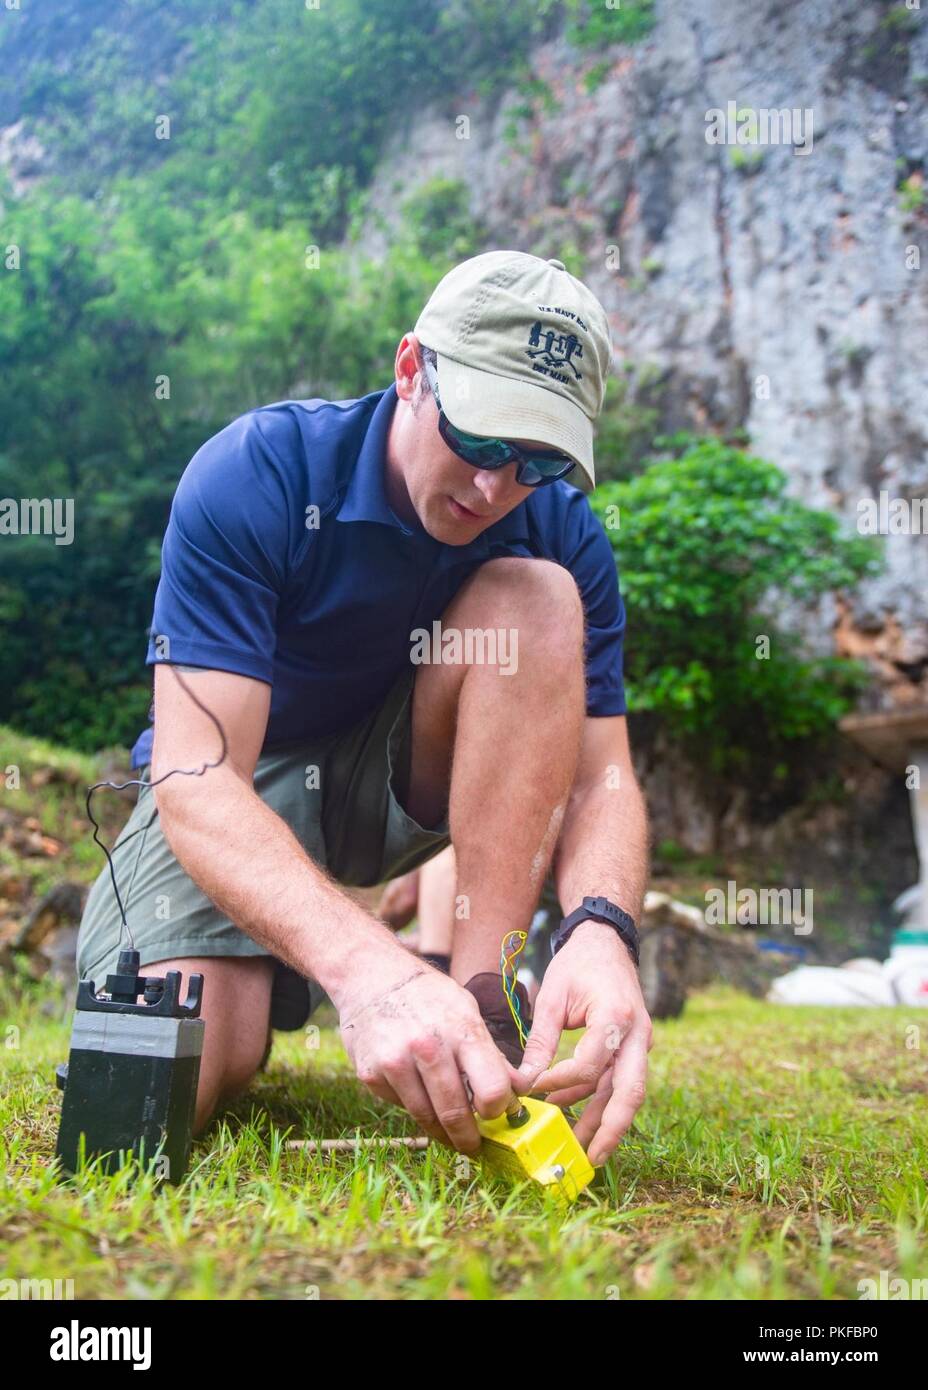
746	161
168	285
108	303
912	193
683	1211
274	108
625	428
537	99
439	223
592	24
710	551
900	19
596	75
884	58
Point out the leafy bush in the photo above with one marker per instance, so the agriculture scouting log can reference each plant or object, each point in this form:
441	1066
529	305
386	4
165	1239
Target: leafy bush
626	426
710	549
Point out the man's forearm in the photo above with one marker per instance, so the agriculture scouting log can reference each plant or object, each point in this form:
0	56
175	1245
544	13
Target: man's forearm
602	849
251	865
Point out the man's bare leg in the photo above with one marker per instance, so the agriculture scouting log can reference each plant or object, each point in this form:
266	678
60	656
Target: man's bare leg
438	881
508	746
236	1010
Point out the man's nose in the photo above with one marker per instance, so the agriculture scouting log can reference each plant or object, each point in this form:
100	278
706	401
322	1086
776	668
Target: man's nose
498	485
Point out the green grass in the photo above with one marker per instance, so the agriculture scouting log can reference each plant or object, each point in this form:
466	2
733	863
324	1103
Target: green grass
780	1153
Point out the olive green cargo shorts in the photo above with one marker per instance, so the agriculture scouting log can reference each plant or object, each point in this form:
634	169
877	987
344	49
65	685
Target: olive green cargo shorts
343	798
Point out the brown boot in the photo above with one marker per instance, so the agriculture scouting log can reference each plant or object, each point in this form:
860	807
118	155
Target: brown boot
487	989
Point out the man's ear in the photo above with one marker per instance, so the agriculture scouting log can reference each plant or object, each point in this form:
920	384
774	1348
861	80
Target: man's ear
407	366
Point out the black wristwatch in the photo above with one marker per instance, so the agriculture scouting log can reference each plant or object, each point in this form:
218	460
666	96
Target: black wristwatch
598	910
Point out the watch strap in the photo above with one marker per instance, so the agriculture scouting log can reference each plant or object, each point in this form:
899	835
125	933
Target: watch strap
598	910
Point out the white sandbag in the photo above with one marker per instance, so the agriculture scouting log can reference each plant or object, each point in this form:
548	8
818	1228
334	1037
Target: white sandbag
825	984
907	968
908	982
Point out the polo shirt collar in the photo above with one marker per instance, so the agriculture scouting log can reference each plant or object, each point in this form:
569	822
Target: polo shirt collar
366	500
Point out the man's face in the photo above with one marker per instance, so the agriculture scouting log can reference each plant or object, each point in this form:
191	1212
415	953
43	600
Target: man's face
453	500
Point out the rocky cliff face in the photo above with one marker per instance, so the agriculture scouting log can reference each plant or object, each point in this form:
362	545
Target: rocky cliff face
762	286
752	287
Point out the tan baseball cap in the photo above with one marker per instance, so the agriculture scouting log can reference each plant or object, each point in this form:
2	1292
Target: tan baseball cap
524	350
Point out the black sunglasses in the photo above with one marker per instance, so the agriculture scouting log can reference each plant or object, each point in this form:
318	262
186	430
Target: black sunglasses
534	468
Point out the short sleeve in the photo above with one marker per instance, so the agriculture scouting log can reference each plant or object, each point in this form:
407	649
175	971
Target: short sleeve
589	556
226	551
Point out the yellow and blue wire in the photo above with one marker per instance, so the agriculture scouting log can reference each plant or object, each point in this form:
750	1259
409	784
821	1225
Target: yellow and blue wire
513	944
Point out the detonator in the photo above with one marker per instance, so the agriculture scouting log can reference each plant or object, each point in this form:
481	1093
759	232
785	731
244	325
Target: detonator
130	1082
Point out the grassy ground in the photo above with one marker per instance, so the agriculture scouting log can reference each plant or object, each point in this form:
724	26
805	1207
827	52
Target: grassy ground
49	786
780	1153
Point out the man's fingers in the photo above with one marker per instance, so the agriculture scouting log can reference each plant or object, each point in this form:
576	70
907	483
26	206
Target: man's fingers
543	1040
491	1078
588	1123
516	1079
593	1053
569	1095
628	1092
408	1091
439	1070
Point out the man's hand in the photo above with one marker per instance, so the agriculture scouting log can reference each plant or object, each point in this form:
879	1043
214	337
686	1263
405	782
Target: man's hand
411	1040
591	983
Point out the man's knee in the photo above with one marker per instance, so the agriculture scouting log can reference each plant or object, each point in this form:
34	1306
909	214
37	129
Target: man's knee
538	596
236	1010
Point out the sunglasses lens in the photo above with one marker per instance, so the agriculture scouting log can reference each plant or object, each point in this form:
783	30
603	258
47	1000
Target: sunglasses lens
480	451
544	468
476	449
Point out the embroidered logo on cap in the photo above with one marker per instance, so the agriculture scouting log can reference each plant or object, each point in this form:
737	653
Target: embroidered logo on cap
554	349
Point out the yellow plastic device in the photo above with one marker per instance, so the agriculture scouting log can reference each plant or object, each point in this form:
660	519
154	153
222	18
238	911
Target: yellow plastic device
533	1140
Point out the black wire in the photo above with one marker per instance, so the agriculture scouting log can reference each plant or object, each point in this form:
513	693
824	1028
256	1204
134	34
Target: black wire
137	782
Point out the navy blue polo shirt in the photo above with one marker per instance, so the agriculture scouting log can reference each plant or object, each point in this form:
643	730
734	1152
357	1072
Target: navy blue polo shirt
283	560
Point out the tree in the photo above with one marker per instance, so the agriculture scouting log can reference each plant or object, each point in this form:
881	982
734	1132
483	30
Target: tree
712	554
